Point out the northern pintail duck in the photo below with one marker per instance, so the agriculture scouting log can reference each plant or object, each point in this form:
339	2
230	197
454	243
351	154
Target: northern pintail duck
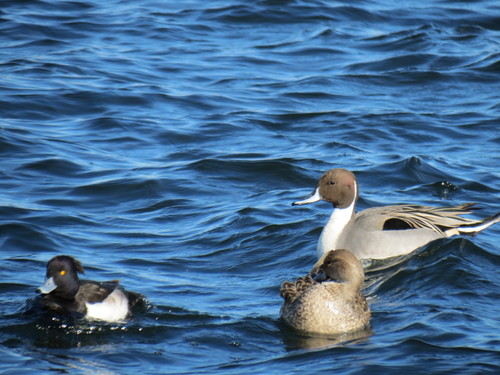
388	231
332	306
64	292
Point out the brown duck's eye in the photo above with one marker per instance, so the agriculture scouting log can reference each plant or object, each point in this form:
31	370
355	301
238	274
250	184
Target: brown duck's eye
62	273
332	182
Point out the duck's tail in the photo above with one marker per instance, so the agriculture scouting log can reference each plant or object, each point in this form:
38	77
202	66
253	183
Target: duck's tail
474	228
290	291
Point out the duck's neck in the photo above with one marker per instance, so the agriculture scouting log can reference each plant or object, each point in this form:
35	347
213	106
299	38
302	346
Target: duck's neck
340	218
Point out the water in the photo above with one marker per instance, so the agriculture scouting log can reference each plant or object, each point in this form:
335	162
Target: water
162	143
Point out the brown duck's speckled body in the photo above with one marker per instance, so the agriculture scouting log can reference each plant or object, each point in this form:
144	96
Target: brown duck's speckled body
333	306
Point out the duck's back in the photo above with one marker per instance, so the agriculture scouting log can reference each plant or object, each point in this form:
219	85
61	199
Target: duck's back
323	309
375	234
95	292
386	243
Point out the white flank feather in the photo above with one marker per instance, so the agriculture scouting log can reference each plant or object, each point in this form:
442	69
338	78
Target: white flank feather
113	309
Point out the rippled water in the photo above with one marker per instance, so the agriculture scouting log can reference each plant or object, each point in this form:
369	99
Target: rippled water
162	143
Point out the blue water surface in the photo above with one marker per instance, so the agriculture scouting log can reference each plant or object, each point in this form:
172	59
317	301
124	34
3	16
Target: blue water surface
162	142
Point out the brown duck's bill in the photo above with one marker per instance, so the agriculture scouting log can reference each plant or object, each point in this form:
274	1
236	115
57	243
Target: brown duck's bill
314	197
316	269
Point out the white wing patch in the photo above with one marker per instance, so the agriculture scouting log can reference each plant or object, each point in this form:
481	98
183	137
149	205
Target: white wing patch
113	309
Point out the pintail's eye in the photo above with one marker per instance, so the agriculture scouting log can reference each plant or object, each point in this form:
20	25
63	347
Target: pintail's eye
62	273
332	182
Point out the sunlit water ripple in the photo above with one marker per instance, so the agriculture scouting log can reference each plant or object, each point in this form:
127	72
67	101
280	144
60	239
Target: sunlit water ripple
162	143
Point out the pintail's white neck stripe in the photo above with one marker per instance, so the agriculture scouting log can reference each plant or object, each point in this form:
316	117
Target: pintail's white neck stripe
353	203
336	224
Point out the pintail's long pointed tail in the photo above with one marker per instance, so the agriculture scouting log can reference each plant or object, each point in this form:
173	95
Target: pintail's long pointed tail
474	228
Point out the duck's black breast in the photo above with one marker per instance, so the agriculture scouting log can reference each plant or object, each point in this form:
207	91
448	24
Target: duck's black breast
62	305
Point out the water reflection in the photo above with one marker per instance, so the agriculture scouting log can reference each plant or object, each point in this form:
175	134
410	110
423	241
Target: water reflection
294	340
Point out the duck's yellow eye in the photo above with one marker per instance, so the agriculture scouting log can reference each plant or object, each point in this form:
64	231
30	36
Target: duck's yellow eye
62	273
